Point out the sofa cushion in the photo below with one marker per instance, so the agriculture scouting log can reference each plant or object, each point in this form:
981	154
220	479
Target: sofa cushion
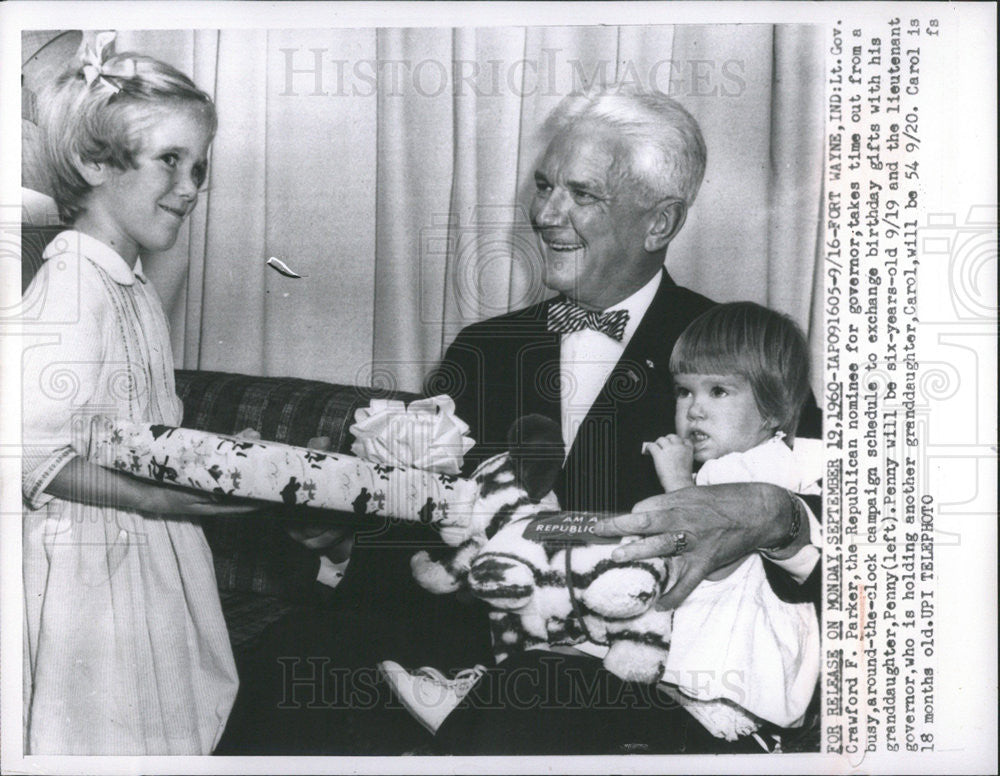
282	409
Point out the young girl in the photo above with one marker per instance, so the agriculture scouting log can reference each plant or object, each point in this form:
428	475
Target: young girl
741	377
126	650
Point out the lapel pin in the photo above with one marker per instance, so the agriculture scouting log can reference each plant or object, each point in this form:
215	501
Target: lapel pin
650	364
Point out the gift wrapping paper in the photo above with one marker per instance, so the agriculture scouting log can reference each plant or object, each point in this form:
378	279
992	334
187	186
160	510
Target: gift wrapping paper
271	471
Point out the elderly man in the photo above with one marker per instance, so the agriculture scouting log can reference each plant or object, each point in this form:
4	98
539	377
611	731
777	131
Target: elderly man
611	192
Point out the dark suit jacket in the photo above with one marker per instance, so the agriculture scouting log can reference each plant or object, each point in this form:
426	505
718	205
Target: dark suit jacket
508	366
505	367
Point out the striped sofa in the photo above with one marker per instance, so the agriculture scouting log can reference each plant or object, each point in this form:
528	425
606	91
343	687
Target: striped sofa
262	573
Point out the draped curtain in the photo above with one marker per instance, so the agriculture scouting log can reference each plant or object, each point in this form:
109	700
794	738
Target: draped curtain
393	169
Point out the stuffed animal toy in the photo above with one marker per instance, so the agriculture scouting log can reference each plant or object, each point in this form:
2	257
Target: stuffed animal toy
508	486
563	591
554	590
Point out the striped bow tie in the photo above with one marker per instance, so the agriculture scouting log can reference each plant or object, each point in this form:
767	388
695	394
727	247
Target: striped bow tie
566	317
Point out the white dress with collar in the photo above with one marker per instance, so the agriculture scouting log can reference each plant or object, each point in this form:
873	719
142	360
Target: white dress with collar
126	650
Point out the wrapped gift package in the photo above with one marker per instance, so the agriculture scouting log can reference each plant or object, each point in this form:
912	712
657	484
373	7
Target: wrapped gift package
271	471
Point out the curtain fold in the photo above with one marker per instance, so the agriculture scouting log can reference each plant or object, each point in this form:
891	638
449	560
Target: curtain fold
224	331
727	228
204	71
485	229
412	211
796	134
394	169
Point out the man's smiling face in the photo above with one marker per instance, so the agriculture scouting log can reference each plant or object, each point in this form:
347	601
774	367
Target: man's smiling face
592	229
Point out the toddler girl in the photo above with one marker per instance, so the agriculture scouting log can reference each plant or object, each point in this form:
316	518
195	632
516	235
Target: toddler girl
741	377
126	650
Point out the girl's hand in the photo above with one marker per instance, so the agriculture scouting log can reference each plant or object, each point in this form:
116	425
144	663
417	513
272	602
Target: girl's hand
673	458
180	501
81	480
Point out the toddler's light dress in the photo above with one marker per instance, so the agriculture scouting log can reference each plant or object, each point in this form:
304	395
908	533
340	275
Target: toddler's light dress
734	641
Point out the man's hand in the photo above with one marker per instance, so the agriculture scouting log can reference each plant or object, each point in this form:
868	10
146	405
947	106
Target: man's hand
704	528
335	541
673	458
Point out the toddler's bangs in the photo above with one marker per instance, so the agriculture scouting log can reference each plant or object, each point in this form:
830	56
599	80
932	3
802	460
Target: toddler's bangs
716	348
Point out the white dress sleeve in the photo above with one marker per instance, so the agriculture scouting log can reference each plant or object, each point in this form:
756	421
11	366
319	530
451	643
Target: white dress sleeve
771	461
799	471
61	367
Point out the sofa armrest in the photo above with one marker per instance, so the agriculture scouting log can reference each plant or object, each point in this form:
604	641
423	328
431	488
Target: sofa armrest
34	239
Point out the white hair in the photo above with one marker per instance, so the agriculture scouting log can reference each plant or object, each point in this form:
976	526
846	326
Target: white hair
667	151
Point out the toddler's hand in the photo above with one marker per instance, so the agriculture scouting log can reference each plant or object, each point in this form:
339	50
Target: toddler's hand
673	458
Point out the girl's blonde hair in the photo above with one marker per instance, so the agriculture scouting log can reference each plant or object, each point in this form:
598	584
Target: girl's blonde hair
99	119
764	346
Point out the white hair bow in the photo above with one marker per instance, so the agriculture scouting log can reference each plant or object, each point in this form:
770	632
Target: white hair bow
95	67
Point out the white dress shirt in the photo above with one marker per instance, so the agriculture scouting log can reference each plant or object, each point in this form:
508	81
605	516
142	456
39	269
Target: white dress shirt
586	358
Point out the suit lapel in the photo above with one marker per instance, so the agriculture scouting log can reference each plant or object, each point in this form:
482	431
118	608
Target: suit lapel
635	405
538	361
